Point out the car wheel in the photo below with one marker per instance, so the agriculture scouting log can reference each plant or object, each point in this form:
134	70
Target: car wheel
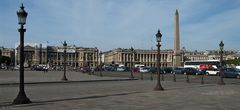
238	77
207	73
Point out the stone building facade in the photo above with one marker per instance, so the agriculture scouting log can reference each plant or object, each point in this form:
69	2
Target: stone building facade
138	56
54	56
8	52
82	56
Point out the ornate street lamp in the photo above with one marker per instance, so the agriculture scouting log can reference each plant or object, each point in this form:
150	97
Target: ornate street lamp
89	61
151	76
100	54
202	81
158	86
221	82
131	64
174	74
187	76
21	98
64	78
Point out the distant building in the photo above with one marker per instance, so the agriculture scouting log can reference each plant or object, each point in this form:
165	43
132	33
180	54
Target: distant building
209	55
35	53
53	55
8	52
139	56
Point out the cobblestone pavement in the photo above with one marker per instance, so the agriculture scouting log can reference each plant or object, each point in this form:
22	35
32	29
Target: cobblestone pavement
125	95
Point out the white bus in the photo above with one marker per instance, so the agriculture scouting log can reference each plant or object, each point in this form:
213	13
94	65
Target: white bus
197	64
139	65
211	66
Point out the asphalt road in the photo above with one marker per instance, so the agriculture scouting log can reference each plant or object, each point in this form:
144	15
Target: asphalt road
170	77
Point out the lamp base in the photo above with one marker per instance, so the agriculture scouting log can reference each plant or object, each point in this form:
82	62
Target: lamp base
21	99
158	88
221	83
64	78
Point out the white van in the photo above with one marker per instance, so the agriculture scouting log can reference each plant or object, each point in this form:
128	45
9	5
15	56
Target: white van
139	66
238	67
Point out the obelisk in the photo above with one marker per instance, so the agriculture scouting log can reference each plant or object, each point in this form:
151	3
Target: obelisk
177	52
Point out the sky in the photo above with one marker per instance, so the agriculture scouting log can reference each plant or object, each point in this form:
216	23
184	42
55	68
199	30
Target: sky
110	24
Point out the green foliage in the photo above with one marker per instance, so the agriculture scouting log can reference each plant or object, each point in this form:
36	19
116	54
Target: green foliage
5	60
233	61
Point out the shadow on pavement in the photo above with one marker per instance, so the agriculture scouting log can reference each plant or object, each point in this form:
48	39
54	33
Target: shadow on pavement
36	103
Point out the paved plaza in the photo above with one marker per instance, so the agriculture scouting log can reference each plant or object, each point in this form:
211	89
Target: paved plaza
90	92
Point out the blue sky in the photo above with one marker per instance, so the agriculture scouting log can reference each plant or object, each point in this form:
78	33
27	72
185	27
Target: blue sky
109	24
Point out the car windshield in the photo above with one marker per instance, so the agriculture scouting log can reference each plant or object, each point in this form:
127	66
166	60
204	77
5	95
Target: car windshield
237	70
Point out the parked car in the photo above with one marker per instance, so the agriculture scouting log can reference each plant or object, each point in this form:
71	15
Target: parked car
85	69
231	73
16	67
37	68
154	70
144	69
121	69
212	71
109	68
193	71
135	70
167	69
4	67
179	70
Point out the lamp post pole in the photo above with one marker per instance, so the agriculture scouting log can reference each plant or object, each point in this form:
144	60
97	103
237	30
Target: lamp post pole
89	64
202	81
221	82
100	54
21	98
131	64
174	74
162	76
158	86
64	78
187	77
151	76
97	64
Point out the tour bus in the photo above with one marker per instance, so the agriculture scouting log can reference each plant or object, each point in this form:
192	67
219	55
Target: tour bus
211	66
139	65
196	64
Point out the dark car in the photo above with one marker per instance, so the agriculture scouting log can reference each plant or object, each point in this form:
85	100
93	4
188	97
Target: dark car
109	68
37	68
85	69
179	70
231	73
192	71
154	70
168	69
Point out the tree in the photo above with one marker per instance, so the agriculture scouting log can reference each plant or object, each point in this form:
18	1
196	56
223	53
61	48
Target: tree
233	61
5	60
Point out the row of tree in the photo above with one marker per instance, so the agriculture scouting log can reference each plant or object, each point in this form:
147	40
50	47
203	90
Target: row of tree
233	61
5	60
